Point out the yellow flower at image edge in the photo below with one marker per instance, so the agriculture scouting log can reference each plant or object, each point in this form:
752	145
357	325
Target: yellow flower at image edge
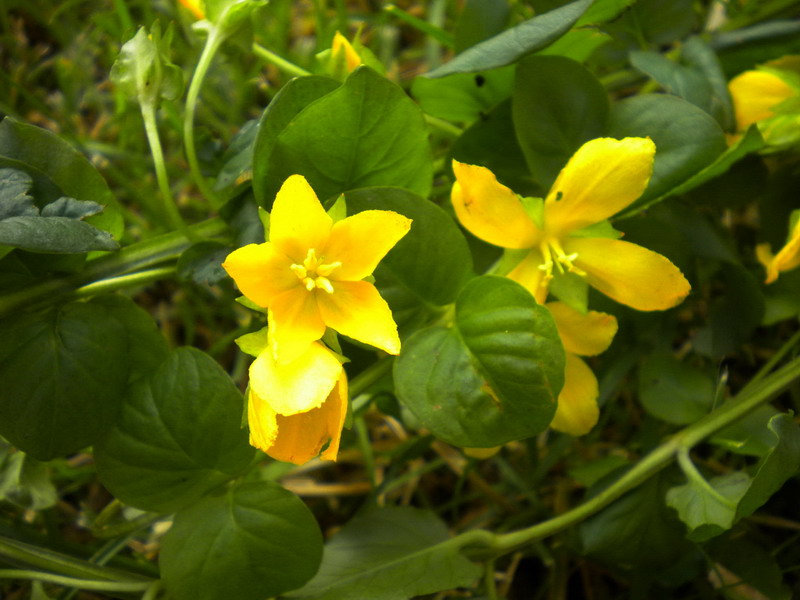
309	274
786	259
294	409
755	94
603	177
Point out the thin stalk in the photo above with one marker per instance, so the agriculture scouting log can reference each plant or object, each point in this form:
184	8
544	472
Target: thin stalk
368	376
278	61
84	584
213	43
452	131
168	202
112	284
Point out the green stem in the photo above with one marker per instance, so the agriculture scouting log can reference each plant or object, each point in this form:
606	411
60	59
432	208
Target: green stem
213	43
368	376
448	129
693	475
112	284
151	129
278	61
491	545
142	255
84	584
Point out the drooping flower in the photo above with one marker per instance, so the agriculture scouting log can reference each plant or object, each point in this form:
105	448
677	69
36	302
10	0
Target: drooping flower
603	177
295	408
582	335
786	259
310	273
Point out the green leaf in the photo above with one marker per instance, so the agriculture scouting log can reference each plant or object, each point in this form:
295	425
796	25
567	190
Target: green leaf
57	170
251	541
237	169
479	20
290	100
687	140
509	46
202	262
64	374
253	343
491	378
14	198
177	437
24	481
603	10
557	106
578	44
368	132
673	391
699	54
752	571
463	97
392	553
749	435
434	249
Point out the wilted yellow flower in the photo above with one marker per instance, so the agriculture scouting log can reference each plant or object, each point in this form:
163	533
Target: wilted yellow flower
786	259
603	177
310	273
585	335
295	408
342	50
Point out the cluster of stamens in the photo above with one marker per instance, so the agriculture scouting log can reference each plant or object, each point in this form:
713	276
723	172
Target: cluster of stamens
554	256
314	273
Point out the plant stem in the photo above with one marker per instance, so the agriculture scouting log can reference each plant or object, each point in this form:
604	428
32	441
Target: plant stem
213	43
151	129
491	545
278	61
84	584
113	284
142	255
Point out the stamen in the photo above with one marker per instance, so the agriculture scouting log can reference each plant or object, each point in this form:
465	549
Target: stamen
554	256
324	283
309	283
310	263
326	270
300	271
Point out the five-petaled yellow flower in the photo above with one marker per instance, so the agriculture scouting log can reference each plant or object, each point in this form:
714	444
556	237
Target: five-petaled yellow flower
585	335
603	177
310	273
294	409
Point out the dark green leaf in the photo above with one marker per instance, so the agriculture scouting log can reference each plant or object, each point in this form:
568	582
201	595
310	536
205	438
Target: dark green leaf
14	198
578	44
237	169
557	106
697	53
491	378
363	134
251	541
285	106
25	481
603	10
749	435
686	138
202	262
463	97
673	391
434	249
54	234
393	553
752	571
478	20
512	44
178	435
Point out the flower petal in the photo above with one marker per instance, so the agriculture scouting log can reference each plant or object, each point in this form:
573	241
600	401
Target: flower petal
490	210
360	242
356	309
577	410
603	177
298	221
529	275
297	386
584	334
260	272
301	437
754	93
630	274
294	322
787	257
262	421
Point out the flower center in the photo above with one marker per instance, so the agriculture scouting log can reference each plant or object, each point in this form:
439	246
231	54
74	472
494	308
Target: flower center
314	273
554	256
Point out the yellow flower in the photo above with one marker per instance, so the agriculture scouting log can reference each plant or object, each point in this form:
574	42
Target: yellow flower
310	273
786	259
603	177
755	94
294	409
342	50
584	335
194	7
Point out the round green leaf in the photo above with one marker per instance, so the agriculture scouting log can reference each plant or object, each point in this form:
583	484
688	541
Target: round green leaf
673	391
178	435
255	540
434	249
494	376
367	132
64	374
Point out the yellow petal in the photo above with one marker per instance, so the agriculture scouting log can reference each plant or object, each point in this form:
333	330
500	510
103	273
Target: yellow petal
603	177
298	221
262	421
754	94
585	334
577	410
341	46
297	386
361	241
767	259
260	272
489	210
787	257
301	437
195	8
356	309
295	322
630	274
529	275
